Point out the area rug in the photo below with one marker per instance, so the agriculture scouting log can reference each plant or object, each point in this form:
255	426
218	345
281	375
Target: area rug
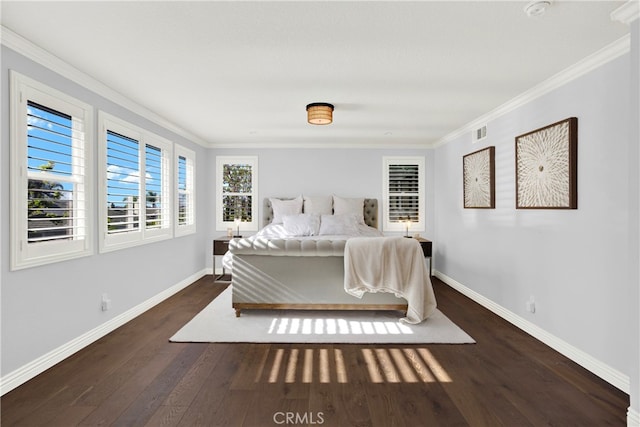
218	323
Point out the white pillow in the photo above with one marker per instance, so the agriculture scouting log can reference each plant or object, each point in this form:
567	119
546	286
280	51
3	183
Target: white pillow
301	224
338	225
354	206
282	208
321	205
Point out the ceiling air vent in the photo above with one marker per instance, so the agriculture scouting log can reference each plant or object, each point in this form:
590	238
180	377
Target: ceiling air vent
480	133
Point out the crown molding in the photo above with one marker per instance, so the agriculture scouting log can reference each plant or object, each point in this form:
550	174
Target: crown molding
41	56
591	62
627	13
395	145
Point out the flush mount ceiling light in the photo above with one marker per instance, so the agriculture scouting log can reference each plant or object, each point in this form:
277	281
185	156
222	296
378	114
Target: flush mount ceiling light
537	8
319	113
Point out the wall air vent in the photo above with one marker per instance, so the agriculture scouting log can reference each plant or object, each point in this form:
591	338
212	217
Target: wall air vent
480	133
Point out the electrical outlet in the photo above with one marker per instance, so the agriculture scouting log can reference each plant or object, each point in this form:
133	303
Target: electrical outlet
531	305
106	302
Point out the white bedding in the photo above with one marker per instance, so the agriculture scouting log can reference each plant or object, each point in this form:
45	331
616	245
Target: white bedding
390	264
278	231
275	240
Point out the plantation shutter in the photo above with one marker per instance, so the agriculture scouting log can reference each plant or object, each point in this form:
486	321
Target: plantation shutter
56	198
137	191
153	187
185	196
184	182
404	193
123	183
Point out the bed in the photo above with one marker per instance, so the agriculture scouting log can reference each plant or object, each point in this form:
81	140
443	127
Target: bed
297	260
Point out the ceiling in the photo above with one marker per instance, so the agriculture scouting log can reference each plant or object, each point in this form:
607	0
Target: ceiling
241	73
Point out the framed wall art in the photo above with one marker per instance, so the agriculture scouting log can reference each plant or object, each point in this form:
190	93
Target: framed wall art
547	167
478	170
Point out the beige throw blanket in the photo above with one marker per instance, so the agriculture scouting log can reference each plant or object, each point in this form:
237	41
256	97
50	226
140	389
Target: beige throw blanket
390	264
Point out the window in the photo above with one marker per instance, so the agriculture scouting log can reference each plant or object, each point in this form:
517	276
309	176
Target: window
404	195
50	175
185	191
135	196
123	183
236	192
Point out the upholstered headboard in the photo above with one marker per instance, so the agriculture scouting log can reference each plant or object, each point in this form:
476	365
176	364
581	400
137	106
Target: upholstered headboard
370	211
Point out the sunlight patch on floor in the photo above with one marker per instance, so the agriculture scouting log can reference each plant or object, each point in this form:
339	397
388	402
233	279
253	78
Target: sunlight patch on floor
322	365
335	326
398	365
326	365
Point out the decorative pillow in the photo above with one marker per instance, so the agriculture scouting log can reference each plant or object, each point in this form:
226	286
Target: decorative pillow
301	224
355	206
321	205
282	208
338	225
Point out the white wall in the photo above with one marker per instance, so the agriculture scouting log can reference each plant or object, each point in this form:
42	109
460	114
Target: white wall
573	262
45	307
347	172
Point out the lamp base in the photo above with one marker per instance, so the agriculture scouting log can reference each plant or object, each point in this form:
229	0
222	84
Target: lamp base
237	236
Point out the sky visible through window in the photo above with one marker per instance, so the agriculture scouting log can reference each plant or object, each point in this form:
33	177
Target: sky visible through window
123	170
50	146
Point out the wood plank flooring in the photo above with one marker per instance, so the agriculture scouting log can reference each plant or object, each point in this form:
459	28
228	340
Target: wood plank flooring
136	377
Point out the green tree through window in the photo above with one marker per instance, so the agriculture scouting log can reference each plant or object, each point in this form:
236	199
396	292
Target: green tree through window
237	189
46	211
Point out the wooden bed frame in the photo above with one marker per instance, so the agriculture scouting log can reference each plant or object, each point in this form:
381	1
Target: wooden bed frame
284	306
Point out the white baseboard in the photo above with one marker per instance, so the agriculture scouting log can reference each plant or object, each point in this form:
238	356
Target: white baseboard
633	418
44	362
604	371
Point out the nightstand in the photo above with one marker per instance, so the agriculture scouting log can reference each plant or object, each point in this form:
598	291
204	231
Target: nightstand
220	247
427	250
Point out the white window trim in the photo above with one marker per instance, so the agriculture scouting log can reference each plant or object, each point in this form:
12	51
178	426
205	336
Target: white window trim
24	255
110	242
247	226
403	160
190	226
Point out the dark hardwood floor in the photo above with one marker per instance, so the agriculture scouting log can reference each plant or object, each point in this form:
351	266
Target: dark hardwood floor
136	377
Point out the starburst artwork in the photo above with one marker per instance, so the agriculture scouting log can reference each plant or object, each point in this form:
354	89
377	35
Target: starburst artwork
479	179
546	167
